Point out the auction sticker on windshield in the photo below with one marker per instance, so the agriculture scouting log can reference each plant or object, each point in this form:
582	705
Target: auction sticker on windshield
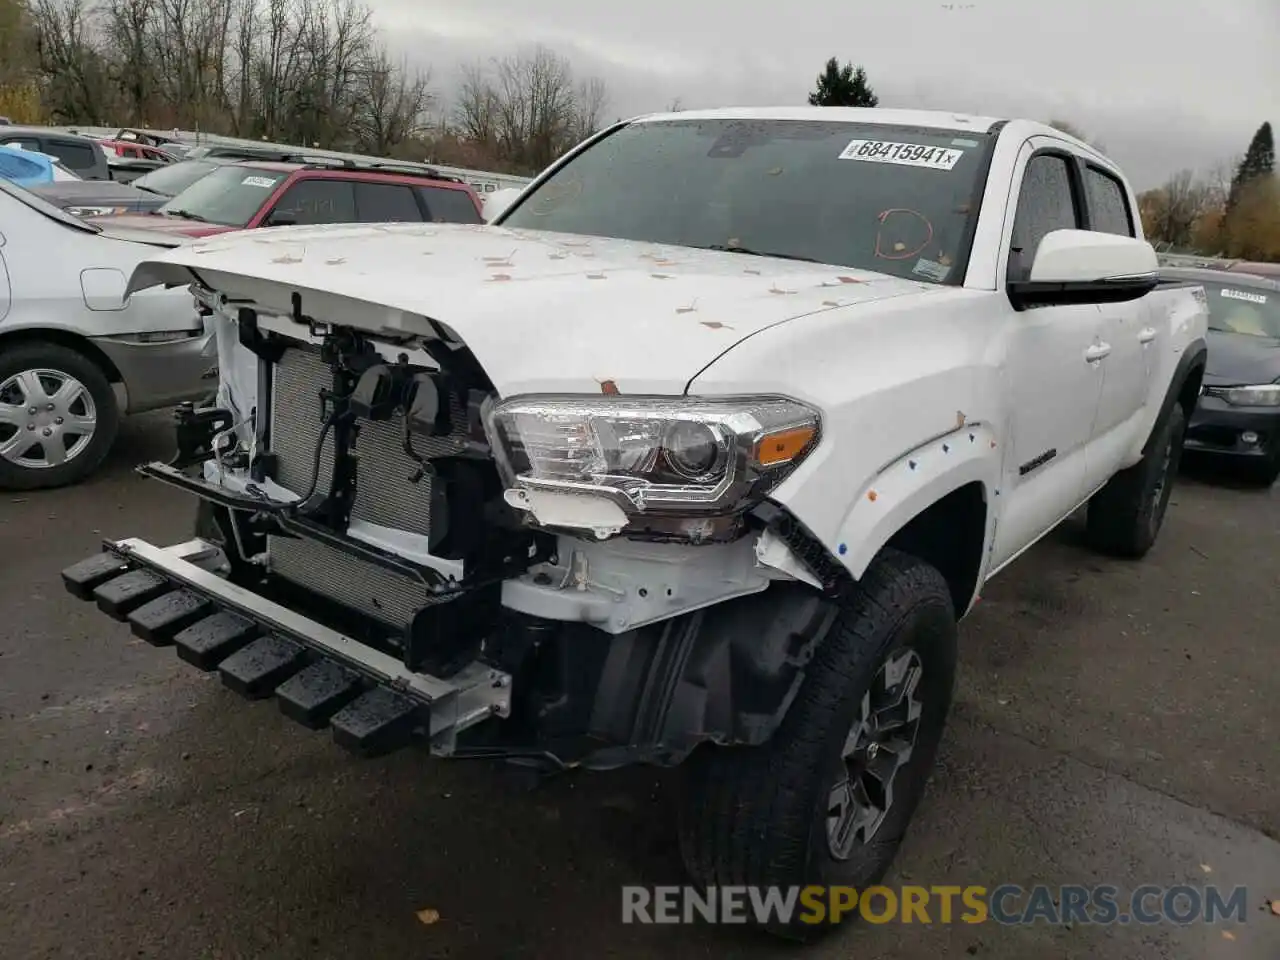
264	182
903	154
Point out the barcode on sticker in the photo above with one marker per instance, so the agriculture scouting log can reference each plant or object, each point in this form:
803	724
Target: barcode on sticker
903	154
265	182
1241	295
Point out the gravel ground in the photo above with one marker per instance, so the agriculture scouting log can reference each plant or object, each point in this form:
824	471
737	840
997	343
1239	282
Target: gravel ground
1115	723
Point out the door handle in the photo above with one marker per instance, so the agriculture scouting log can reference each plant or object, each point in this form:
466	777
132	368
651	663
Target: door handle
1097	352
1146	334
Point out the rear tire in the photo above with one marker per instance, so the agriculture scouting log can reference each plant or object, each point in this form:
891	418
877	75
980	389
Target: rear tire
46	390
1126	515
776	814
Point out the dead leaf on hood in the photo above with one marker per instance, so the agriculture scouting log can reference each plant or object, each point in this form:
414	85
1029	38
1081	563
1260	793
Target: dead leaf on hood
850	280
286	258
427	916
1228	935
751	272
596	276
777	289
715	325
499	277
335	261
660	276
689	309
831	303
1275	908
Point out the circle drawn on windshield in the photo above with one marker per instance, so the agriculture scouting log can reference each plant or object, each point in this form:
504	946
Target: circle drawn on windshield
551	196
900	251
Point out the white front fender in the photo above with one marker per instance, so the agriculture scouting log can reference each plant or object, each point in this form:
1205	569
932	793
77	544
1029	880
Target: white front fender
911	484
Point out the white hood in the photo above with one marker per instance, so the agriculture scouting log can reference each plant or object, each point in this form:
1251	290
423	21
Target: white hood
541	312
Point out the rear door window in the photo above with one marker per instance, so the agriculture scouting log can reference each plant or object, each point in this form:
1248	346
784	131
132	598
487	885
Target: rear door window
449	206
76	156
386	203
319	201
1108	207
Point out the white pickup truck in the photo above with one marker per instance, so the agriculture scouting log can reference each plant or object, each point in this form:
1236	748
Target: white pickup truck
696	456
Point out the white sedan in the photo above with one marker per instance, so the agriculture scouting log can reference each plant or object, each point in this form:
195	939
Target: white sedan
75	353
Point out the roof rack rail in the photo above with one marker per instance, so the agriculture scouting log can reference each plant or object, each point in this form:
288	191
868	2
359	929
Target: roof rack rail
378	166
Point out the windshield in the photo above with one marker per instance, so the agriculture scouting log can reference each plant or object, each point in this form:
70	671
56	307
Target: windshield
894	199
230	196
171	181
1250	311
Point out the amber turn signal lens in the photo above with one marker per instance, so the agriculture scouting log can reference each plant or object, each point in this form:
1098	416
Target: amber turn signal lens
784	446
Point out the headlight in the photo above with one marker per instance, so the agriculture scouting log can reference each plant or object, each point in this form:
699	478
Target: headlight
1263	395
95	211
657	455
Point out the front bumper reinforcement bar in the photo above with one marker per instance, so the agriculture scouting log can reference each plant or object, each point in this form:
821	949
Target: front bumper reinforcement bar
319	676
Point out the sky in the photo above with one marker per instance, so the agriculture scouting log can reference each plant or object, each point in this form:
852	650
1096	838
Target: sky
1163	85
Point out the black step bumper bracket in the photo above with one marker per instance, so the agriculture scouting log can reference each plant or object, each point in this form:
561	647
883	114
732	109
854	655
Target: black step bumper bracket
118	596
158	620
206	643
82	578
320	677
314	695
378	723
263	665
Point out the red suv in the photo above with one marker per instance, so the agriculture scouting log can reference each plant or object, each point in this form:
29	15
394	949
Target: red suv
262	193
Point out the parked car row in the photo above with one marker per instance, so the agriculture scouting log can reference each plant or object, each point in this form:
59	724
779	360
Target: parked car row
76	352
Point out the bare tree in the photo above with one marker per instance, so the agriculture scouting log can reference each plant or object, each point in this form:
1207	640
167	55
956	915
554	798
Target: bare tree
475	111
528	107
1181	203
1071	130
393	104
74	71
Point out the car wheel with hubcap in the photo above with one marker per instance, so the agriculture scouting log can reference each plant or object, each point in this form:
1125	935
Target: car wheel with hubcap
827	799
58	416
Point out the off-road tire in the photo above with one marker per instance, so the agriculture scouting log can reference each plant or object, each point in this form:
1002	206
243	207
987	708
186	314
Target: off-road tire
758	815
1125	516
69	362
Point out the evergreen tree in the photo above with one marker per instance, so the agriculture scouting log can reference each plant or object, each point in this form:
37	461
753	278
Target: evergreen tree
843	87
1258	161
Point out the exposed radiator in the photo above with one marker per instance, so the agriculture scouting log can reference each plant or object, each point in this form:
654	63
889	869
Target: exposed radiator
384	493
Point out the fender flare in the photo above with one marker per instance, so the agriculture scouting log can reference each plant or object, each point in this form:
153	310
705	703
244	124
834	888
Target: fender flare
1196	354
908	486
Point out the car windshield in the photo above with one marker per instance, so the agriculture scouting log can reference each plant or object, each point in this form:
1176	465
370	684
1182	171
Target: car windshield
1251	311
229	196
172	180
895	199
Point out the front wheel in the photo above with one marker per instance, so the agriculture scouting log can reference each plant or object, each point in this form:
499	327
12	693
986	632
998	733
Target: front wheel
58	416
828	798
1125	516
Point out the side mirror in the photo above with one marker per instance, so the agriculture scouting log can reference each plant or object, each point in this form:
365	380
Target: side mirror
1083	266
282	218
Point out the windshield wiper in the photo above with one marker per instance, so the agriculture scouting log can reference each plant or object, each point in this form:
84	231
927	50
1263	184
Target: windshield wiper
186	215
726	248
146	188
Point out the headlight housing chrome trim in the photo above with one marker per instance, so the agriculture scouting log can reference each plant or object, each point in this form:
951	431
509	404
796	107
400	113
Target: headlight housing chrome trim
615	447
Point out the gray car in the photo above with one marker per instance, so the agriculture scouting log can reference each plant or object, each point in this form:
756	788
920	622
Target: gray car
81	155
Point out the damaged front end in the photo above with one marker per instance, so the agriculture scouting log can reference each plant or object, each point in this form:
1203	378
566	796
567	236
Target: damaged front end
401	553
